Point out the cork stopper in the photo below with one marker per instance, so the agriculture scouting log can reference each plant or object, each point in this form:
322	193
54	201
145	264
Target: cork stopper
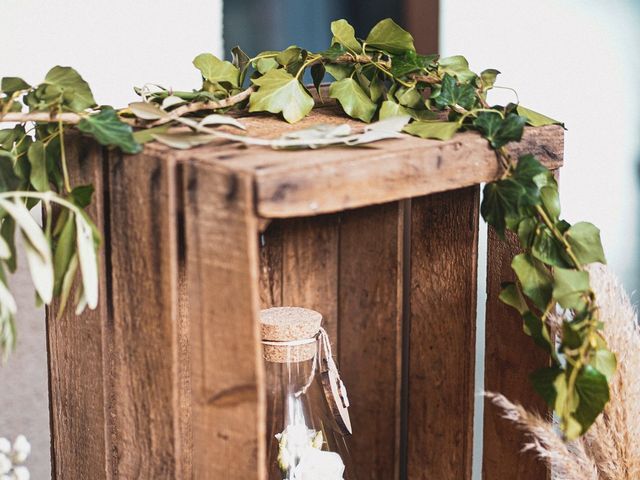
289	324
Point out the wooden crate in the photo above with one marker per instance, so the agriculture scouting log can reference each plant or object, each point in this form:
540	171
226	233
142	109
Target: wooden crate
165	379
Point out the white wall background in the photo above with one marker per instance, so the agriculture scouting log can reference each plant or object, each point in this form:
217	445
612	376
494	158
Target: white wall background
577	61
114	44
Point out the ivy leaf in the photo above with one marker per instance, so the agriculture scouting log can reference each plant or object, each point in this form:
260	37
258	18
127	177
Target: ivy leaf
9	85
240	59
545	248
317	75
488	78
411	62
536	119
108	130
500	202
534	278
387	35
458	66
538	331
453	94
333	52
355	102
436	130
288	56
390	109
215	70
82	194
593	390
263	65
38	161
409	97
585	242
280	92
605	362
77	93
570	286
544	381
551	201
345	35
512	296
63	253
499	131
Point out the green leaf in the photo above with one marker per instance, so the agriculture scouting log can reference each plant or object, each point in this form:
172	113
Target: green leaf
547	249
147	111
570	287
7	301
183	140
409	97
67	283
551	201
146	135
497	130
534	278
511	295
538	330
488	78
38	160
501	201
280	92
82	194
387	35
585	242
345	35
355	102
217	119
5	249
536	119
605	362
436	130
457	66
411	62
317	75
263	65
215	70
544	381
453	94
9	85
88	258
41	269
63	251
240	59
390	109
76	91
7	231
28	225
289	55
107	128
593	390
339	71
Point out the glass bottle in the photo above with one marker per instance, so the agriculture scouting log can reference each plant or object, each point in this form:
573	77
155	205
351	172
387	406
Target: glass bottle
308	426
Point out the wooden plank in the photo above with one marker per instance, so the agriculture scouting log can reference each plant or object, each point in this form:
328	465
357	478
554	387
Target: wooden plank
270	243
297	183
310	268
76	350
444	239
370	330
227	367
144	392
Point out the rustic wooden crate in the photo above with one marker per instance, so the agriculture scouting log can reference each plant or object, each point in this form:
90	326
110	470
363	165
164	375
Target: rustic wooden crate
165	379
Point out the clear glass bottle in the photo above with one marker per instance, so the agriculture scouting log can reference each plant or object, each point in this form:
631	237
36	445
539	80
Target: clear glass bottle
308	426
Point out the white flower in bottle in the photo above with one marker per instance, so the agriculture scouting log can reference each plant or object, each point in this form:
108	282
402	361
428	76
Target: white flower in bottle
21	473
319	465
5	464
5	446
21	449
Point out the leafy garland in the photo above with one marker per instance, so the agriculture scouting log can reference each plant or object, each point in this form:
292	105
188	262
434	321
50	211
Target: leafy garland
379	77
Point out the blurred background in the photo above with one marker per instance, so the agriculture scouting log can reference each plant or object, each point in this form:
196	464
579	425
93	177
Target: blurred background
574	60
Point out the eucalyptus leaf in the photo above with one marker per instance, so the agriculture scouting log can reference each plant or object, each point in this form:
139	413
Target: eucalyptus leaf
146	135
38	161
9	85
64	250
88	261
217	119
29	227
6	299
67	284
41	269
147	111
183	140
280	92
354	101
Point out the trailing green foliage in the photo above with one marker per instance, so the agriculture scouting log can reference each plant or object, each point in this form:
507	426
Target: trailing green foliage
380	77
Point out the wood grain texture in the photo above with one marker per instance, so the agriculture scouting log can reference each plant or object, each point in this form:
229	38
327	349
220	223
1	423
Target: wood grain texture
77	351
370	330
302	183
310	268
144	393
444	238
228	413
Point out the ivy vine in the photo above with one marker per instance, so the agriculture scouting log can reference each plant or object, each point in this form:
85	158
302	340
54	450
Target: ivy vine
380	77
